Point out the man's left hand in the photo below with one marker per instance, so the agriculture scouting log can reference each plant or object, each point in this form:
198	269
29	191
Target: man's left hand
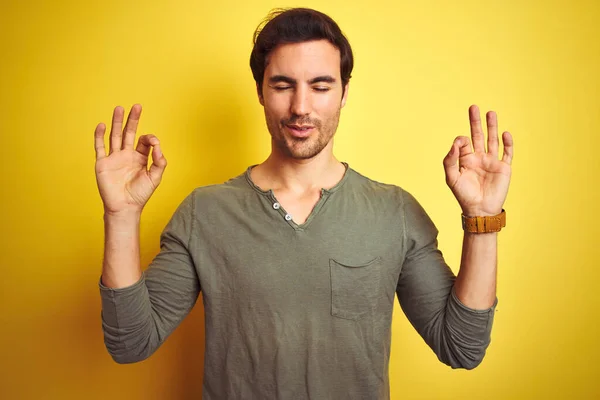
480	180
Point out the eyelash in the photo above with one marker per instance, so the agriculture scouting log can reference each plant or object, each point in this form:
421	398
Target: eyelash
282	88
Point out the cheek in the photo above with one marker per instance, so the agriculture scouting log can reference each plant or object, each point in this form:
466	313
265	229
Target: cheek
327	105
273	118
275	107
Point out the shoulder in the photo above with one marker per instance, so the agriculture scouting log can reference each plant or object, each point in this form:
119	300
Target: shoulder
377	190
387	196
207	198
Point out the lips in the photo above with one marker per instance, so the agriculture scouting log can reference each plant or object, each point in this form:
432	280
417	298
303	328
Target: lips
300	131
301	127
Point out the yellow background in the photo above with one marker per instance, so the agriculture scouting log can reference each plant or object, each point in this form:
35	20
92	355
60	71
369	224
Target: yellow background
419	65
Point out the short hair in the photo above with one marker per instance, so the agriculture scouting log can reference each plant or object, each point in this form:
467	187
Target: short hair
296	25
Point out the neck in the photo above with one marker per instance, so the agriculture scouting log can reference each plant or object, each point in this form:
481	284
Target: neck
282	173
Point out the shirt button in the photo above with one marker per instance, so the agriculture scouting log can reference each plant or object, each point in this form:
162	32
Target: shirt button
288	217
276	206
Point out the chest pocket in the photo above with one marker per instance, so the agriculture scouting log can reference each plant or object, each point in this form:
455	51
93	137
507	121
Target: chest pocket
354	288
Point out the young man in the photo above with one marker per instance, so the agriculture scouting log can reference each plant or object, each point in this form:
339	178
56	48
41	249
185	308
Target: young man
300	257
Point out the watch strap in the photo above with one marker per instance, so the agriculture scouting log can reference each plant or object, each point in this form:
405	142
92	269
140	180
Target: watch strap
492	223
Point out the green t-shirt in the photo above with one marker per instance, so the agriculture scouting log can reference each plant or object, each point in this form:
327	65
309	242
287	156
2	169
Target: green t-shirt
297	311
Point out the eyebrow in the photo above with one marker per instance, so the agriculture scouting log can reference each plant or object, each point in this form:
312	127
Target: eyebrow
291	81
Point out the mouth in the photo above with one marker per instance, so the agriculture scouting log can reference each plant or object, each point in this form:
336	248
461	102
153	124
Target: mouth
300	131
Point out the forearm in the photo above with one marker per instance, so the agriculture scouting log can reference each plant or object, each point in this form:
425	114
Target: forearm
475	284
125	304
121	265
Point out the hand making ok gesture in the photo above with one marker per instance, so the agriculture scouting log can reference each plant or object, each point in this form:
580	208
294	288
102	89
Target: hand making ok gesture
480	180
124	180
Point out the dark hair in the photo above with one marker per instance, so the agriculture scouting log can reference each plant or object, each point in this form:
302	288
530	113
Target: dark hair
295	25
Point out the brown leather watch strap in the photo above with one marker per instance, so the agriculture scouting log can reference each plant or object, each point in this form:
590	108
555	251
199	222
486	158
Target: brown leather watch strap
492	223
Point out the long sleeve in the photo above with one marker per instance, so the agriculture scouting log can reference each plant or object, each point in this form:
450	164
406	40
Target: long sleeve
137	319
457	334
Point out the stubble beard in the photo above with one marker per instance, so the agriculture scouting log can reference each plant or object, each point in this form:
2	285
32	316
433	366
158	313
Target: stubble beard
304	148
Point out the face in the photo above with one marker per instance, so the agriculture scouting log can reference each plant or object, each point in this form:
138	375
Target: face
302	97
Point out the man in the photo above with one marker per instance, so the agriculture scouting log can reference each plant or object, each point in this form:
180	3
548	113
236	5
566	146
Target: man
300	257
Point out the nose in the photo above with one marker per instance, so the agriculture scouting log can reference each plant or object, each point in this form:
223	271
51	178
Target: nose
300	104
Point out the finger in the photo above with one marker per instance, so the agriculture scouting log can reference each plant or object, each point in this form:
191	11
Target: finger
145	143
131	127
492	127
508	143
159	163
450	163
476	129
116	129
464	145
99	141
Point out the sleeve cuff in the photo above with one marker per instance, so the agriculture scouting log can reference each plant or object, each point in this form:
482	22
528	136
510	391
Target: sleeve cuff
469	309
134	286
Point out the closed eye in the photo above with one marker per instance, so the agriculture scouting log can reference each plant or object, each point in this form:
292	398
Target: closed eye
318	89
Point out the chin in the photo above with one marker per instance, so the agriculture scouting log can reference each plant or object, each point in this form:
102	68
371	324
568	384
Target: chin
306	150
303	156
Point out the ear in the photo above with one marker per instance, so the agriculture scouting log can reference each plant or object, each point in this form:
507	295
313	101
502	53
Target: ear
261	100
345	96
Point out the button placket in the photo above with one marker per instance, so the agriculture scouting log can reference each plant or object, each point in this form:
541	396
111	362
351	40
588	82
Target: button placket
277	206
289	218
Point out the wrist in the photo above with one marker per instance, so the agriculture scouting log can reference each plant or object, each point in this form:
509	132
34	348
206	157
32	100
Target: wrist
478	212
122	217
484	223
468	234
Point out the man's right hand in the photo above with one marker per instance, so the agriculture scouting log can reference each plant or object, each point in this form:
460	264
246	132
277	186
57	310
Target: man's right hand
124	180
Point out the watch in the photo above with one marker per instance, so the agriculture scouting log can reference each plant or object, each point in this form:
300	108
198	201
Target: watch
492	223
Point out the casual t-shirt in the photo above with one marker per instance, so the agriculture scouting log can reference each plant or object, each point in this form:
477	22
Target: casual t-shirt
297	311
